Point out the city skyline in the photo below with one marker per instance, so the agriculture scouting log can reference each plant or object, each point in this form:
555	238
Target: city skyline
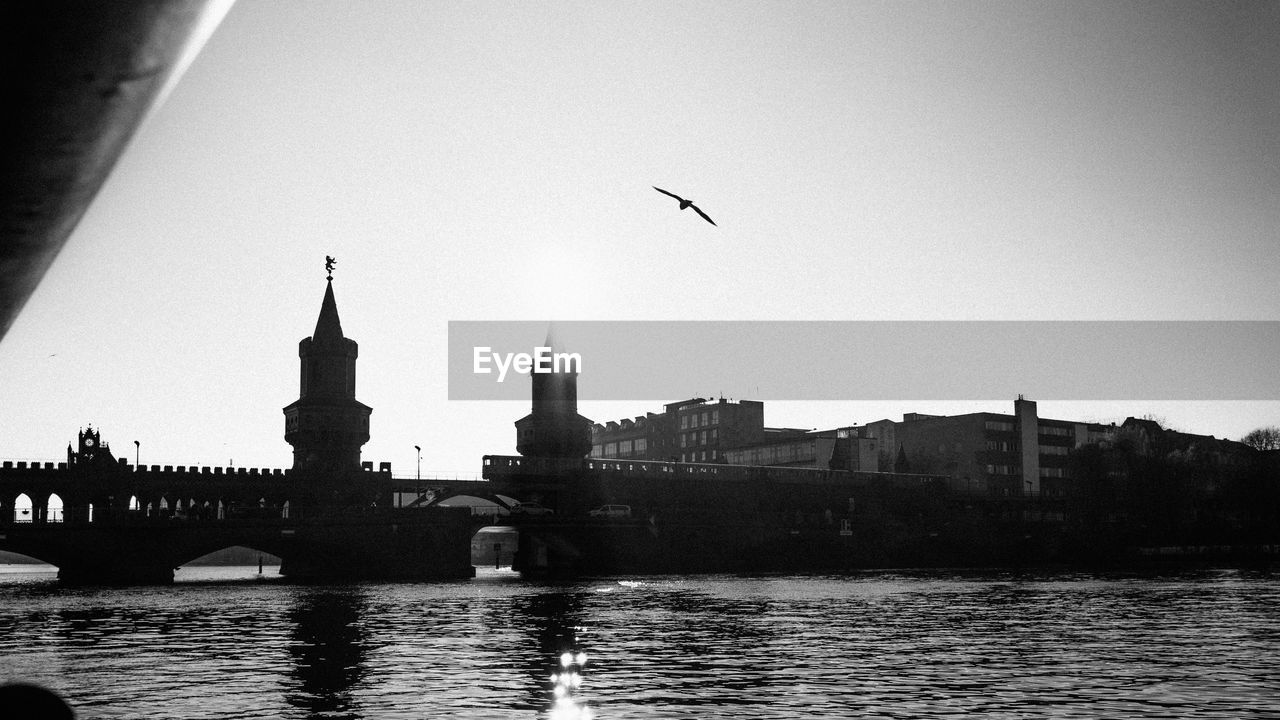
863	162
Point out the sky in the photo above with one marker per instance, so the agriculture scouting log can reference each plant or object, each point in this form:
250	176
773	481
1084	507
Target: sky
494	161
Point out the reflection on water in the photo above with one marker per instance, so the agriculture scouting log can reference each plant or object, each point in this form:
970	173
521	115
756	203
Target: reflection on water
328	651
553	620
566	684
918	645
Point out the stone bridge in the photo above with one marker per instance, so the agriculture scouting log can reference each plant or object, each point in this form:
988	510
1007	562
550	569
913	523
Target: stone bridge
121	524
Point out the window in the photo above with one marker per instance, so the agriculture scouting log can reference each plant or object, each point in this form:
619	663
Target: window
684	422
610	450
715	436
683	440
1052	472
715	417
596	450
702	439
624	448
705	419
1053	450
1055	431
999	425
642	444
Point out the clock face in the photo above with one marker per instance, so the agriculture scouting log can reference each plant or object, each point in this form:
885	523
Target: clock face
88	442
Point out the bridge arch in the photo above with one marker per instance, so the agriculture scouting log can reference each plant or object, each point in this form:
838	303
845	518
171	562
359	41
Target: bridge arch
25	557
54	508
448	497
494	546
236	554
32	556
23	509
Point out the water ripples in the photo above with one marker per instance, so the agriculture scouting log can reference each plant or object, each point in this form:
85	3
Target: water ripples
910	645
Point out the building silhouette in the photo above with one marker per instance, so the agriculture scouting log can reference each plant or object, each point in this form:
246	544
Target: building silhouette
693	430
553	428
326	425
998	453
91	451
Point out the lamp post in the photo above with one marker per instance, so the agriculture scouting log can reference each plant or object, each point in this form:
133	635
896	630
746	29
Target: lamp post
137	453
417	488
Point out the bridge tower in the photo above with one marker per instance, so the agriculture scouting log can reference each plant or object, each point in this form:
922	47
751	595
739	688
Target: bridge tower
327	425
554	428
92	452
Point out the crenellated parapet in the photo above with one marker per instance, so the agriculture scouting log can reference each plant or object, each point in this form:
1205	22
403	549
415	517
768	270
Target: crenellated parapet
124	493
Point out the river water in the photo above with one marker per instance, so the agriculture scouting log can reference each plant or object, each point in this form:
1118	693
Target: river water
222	643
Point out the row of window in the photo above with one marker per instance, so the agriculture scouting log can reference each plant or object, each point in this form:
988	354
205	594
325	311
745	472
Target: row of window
1056	431
773	454
700	456
1016	470
701	437
703	419
1014	446
622	448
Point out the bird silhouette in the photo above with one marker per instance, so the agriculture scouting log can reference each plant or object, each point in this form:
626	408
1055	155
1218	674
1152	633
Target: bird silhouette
686	204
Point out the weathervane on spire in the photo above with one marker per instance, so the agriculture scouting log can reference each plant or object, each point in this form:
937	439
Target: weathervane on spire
329	262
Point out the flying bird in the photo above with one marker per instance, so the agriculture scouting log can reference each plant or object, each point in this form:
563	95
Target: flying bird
686	204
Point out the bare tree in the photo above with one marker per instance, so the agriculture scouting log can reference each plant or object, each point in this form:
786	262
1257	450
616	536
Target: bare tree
1264	438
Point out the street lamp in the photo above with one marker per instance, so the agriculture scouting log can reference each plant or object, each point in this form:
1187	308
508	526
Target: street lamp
137	453
417	487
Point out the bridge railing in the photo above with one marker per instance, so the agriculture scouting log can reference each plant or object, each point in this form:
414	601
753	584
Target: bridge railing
507	465
438	476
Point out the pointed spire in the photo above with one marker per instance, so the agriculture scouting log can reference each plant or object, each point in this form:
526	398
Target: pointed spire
551	338
328	326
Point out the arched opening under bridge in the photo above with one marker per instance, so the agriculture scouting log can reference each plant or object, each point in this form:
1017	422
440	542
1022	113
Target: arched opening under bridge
493	545
232	563
18	567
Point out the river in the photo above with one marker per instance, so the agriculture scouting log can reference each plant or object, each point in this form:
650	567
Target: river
228	643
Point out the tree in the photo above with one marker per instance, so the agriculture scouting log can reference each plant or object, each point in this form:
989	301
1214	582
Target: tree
1264	438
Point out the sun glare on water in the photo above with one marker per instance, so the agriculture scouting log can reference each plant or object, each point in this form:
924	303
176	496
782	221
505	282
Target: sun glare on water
565	685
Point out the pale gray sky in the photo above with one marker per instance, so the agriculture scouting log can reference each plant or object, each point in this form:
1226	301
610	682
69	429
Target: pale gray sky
473	161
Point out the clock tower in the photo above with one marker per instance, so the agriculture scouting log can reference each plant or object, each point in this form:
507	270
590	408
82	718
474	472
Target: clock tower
91	451
327	425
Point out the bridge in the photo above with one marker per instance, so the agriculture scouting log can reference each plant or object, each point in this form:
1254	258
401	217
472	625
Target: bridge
707	517
121	524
